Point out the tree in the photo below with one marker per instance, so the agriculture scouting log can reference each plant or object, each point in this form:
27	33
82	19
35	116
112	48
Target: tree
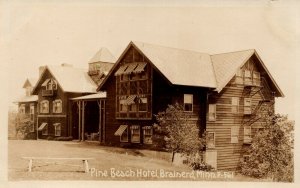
22	125
177	133
271	152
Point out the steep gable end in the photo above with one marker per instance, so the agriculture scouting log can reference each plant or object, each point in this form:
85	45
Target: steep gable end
226	65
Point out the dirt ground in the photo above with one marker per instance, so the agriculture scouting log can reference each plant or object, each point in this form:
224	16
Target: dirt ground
108	163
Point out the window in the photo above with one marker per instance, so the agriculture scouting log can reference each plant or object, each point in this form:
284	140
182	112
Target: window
212	112
31	112
143	104
239	77
45	129
135	134
188	102
248	77
235	105
123	105
147	132
256	78
44	106
210	139
247	106
57	129
57	106
234	134
247	134
124	135
51	85
22	109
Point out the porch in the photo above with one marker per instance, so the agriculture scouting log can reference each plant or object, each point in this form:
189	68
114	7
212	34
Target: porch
87	117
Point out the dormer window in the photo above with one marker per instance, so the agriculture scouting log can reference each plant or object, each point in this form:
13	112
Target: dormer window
50	84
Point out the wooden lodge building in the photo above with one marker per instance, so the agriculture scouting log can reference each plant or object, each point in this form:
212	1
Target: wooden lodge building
224	93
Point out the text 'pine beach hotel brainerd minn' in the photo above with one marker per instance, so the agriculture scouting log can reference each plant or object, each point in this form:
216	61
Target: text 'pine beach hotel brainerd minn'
115	102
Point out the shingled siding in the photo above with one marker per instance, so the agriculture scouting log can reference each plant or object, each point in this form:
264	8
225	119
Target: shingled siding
229	154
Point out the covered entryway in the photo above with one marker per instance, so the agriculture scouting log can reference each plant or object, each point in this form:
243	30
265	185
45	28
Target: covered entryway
88	117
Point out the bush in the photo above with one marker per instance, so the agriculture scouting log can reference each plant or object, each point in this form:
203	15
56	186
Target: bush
271	152
50	138
63	138
30	136
202	166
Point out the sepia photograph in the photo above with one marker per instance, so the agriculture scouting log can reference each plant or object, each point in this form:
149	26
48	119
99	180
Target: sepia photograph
195	91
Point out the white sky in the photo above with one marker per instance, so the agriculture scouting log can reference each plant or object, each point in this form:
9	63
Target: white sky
42	32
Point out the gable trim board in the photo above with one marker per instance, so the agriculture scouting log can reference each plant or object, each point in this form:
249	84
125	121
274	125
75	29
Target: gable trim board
210	76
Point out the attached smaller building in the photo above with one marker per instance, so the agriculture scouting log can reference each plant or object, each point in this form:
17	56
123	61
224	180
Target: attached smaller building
28	104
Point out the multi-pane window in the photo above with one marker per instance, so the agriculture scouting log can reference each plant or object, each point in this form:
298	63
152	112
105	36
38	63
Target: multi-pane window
22	109
143	101
133	91
256	78
135	133
212	112
57	129
44	106
210	139
31	112
147	134
51	85
247	134
235	105
188	102
247	106
239	77
57	106
247	77
234	134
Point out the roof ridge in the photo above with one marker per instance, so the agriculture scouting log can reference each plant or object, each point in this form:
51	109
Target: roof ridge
233	52
188	50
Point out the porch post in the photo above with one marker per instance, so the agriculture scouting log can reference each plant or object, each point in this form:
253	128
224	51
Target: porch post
79	118
82	120
100	121
104	121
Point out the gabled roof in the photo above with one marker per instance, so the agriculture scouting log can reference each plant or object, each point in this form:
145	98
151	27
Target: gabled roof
180	67
103	55
30	82
190	68
70	79
227	64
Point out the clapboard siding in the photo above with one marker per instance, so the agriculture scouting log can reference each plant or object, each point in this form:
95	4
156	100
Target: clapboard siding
229	154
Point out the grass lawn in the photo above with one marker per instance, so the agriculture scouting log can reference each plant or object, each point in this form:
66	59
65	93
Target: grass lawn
108	163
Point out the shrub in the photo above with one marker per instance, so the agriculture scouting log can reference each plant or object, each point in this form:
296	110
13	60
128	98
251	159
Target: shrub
271	152
63	138
202	166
